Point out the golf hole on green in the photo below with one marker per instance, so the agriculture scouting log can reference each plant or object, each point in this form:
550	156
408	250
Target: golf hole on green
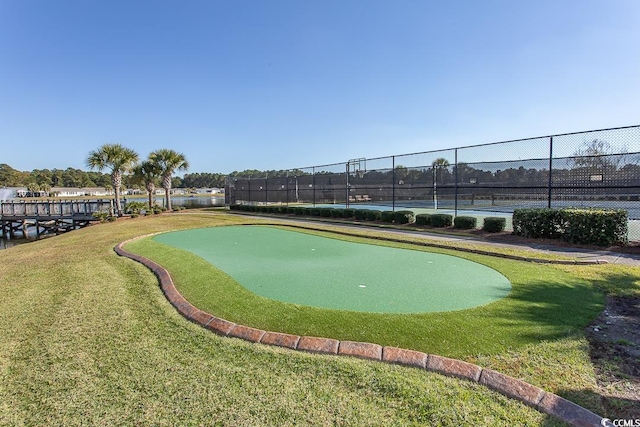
323	272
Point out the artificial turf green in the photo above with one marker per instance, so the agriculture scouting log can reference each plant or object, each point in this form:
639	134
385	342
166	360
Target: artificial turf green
317	271
87	338
544	304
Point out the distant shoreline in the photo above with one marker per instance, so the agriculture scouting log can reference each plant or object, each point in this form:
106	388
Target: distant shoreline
133	196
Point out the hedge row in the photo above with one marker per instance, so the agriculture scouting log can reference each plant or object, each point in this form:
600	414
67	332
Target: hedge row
491	224
602	227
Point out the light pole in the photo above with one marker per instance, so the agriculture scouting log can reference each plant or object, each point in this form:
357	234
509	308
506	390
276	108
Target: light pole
435	187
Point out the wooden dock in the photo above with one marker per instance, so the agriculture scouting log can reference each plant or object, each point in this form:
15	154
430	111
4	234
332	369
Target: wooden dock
44	217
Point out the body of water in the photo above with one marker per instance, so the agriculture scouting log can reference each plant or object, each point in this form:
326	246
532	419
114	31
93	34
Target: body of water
189	202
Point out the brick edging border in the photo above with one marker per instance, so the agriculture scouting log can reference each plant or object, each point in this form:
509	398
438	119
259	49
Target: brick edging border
530	395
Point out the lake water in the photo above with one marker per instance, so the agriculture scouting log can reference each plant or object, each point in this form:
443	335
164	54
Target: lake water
186	201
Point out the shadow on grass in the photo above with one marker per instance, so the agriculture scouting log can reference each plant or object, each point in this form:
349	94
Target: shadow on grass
614	408
619	284
554	310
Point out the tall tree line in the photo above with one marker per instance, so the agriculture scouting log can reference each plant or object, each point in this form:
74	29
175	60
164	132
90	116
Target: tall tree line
70	177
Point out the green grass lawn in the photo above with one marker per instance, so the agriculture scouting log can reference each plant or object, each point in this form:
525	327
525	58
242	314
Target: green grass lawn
544	304
87	338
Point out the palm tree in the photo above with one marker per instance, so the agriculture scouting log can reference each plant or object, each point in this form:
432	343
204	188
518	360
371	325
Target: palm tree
147	174
168	161
33	188
439	163
118	159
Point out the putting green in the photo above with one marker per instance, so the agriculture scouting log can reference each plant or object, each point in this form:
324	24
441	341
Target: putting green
316	271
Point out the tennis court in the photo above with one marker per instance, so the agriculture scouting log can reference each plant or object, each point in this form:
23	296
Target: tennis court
323	272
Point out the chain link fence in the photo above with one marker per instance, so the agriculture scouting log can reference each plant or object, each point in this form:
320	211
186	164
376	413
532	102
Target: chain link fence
593	169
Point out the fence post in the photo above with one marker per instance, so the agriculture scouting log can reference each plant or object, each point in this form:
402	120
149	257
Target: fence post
393	183
286	187
455	173
313	182
550	171
346	200
266	189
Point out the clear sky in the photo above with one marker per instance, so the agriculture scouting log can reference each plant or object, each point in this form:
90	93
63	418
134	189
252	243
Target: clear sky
278	84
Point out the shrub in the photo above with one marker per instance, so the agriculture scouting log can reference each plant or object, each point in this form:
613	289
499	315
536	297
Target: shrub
373	215
465	222
291	210
404	217
494	224
441	220
361	214
337	213
423	219
325	212
600	227
349	213
102	215
135	207
537	223
387	216
315	211
298	210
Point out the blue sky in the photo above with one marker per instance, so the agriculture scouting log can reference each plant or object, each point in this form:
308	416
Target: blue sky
274	84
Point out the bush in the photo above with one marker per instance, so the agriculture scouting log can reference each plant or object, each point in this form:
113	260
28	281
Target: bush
602	227
404	217
102	215
298	210
135	207
537	223
594	226
465	222
361	214
325	212
349	213
315	211
373	215
441	220
291	210
423	219
337	213
387	216
494	224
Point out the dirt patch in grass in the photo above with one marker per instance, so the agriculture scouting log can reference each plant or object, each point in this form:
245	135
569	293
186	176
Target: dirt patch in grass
614	341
